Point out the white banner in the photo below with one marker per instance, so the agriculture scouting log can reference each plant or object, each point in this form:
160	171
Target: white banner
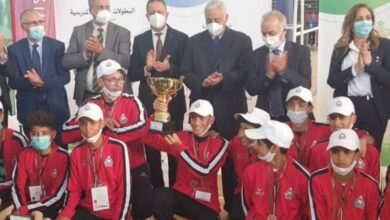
184	15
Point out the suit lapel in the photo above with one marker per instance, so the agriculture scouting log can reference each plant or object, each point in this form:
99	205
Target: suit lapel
110	36
288	48
45	55
26	54
207	48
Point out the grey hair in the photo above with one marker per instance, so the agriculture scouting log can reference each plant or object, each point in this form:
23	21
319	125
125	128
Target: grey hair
215	4
277	14
152	1
27	11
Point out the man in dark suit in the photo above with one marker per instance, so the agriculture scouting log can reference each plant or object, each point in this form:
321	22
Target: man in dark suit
159	51
93	42
278	66
216	65
39	77
4	89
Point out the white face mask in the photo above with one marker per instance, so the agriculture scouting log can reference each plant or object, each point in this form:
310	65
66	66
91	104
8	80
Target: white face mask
94	138
110	94
268	157
297	117
103	17
343	171
205	131
215	29
272	42
157	21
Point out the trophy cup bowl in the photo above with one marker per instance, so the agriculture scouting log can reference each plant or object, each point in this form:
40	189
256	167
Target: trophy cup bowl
163	88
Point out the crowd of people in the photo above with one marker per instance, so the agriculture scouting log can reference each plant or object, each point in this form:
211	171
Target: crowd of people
277	162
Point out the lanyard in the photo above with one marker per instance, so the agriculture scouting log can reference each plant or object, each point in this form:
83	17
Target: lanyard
111	108
343	197
302	148
95	165
274	186
40	171
196	149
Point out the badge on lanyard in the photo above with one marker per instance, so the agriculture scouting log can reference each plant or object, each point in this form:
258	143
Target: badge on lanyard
36	193
359	202
100	198
203	195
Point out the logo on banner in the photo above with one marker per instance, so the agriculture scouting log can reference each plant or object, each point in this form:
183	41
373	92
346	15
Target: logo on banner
185	3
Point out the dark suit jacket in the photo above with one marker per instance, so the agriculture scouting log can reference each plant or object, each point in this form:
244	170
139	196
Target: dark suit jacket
379	70
297	73
174	45
228	97
117	47
55	77
5	99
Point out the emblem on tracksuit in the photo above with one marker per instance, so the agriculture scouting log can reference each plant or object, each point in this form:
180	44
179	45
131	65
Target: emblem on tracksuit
361	164
259	191
123	119
359	202
108	162
54	173
289	194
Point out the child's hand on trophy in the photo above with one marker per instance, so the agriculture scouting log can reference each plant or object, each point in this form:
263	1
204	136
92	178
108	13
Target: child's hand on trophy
161	105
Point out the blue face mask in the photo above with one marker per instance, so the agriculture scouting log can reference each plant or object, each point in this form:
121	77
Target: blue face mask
362	28
41	143
37	33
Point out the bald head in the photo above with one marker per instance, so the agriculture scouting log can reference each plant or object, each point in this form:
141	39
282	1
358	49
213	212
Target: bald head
28	14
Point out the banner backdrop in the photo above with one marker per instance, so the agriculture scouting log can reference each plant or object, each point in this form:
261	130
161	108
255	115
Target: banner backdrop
332	14
45	7
184	15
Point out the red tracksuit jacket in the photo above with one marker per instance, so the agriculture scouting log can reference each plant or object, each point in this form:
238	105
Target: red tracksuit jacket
13	144
113	169
291	199
370	164
385	203
131	115
361	196
54	178
195	171
302	145
241	159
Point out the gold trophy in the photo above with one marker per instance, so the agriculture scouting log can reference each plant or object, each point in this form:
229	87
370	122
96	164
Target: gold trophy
163	88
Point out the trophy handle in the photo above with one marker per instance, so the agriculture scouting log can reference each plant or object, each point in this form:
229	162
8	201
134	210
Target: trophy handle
181	83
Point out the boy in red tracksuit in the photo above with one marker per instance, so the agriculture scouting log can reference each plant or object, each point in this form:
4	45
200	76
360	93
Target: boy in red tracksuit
199	157
13	143
341	191
341	115
125	119
385	203
99	182
41	172
243	155
276	187
307	132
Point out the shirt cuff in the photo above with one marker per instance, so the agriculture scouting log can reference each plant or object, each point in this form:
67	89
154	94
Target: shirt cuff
4	60
354	71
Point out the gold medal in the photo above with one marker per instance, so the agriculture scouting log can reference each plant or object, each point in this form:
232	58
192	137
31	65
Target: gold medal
271	217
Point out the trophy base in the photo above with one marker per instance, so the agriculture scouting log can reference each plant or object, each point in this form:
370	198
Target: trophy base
162	127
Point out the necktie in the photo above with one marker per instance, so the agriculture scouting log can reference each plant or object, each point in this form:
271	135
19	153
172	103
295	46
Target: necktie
95	84
159	45
276	52
36	59
215	47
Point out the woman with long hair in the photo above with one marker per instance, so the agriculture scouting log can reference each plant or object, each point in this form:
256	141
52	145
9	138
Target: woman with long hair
360	69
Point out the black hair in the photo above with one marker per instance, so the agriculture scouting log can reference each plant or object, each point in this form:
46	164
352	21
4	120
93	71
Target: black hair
151	1
242	119
42	119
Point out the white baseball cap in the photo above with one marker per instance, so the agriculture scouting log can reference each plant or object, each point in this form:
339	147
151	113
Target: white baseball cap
278	133
202	107
342	105
300	92
91	111
256	116
346	138
108	67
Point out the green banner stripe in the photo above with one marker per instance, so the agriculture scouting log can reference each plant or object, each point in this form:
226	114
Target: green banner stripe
340	7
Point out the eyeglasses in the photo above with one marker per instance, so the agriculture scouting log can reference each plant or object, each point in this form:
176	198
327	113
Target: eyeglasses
115	80
34	23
